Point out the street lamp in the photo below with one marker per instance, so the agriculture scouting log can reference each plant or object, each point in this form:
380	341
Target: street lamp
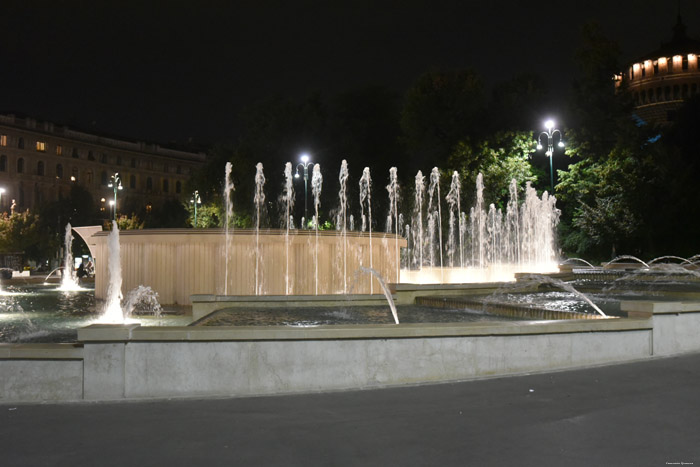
195	201
305	163
550	132
115	182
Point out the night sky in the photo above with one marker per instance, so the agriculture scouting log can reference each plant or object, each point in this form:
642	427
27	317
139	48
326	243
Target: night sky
171	70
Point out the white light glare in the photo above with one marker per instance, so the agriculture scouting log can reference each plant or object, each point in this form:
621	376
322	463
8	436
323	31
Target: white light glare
549	124
305	158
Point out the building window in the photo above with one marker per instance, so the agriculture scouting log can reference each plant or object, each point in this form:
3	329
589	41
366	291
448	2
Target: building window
41	146
165	186
76	173
667	93
20	143
656	67
178	169
91	156
119	160
103	178
75	153
40	168
133	162
3	140
20	165
694	88
59	150
88	177
676	91
103	158
59	171
3	163
149	184
132	181
685	91
178	187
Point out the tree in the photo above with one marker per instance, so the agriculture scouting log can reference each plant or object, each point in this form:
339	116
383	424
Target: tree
500	158
21	231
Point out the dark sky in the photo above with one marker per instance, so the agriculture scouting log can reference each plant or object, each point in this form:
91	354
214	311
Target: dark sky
171	70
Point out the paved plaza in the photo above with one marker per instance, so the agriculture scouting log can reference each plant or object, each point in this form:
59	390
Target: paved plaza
638	414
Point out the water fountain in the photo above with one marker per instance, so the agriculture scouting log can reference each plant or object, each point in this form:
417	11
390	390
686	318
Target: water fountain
366	198
288	202
454	238
113	312
393	189
341	222
228	205
316	188
68	280
259	201
418	220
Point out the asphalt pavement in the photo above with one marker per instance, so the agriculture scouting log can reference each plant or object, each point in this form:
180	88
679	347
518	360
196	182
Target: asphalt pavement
638	414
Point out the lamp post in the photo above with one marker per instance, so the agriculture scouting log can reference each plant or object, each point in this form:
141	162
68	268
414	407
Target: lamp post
115	182
195	201
550	132
305	163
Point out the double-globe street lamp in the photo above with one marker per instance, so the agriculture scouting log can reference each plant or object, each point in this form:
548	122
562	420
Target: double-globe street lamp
195	201
550	132
305	163
115	182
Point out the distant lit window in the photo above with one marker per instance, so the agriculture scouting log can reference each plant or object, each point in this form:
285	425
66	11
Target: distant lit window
41	146
40	168
3	140
20	165
149	207
59	150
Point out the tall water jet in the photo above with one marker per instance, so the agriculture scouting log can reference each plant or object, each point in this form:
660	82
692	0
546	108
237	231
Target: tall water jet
418	220
113	309
68	279
259	200
512	228
477	218
316	186
435	216
393	189
288	201
341	223
228	189
366	198
385	290
454	239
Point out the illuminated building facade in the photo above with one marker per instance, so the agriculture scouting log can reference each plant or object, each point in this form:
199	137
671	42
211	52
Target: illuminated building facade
660	81
40	160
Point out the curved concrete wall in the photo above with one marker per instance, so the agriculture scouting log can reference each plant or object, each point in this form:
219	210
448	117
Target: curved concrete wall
177	263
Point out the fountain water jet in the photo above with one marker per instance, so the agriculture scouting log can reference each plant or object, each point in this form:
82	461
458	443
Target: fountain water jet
288	200
228	189
68	280
113	310
385	289
316	186
341	223
366	197
418	220
259	200
393	189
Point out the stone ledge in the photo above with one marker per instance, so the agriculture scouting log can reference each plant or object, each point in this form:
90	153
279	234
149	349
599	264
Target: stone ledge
657	308
135	333
41	351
